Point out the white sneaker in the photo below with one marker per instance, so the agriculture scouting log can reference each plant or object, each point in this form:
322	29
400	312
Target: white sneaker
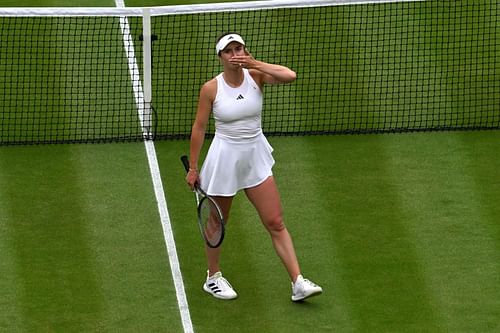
219	287
303	288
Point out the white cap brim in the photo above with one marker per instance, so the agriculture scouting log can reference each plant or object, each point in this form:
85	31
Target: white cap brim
224	41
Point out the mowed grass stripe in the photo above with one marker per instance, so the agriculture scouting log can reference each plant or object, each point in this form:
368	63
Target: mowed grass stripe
380	279
10	315
448	209
49	239
311	215
138	285
86	240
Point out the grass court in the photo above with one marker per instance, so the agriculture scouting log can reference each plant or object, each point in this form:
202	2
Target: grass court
402	231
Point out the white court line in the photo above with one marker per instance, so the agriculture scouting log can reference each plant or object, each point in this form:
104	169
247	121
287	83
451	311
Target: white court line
157	184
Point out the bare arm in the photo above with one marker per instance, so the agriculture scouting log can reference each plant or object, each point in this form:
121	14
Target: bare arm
207	95
274	74
265	72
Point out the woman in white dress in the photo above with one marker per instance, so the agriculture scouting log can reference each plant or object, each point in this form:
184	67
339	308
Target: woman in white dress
240	157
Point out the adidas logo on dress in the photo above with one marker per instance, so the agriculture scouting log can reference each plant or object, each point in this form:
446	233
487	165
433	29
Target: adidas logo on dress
240	96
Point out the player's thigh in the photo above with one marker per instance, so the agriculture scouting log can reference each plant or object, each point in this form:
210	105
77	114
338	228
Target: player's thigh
225	205
266	199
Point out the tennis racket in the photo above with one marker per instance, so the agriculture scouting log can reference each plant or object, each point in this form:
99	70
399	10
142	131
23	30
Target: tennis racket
210	219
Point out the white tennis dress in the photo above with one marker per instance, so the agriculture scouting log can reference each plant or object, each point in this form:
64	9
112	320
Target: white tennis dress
239	156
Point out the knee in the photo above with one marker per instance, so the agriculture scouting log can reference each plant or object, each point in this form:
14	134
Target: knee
275	224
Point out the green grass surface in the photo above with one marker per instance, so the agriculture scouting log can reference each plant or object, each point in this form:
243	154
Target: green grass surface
81	245
401	231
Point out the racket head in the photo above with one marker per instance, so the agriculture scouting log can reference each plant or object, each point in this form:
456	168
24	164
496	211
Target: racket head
210	218
211	221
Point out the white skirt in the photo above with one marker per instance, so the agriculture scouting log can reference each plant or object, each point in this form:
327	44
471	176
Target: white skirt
232	165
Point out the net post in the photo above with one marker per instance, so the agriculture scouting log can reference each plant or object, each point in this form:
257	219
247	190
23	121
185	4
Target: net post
147	87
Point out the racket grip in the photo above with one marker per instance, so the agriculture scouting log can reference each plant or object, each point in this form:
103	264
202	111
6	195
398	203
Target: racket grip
185	162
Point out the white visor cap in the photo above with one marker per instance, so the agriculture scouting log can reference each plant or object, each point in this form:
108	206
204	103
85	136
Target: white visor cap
224	41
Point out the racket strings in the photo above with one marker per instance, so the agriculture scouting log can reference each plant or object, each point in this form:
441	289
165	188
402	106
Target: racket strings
210	222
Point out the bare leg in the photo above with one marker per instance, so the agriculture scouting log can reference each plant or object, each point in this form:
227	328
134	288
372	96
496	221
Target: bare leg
213	254
265	197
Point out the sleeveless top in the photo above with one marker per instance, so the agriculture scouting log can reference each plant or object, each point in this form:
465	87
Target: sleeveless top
237	111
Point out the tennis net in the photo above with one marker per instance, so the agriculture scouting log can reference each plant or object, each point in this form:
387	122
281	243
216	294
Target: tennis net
77	75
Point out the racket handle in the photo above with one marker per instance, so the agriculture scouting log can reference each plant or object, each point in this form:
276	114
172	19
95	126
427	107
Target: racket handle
185	162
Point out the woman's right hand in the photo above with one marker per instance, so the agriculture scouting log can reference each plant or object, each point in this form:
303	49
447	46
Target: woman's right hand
192	178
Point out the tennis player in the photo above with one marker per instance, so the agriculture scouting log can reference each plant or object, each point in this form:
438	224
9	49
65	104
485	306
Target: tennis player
240	157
